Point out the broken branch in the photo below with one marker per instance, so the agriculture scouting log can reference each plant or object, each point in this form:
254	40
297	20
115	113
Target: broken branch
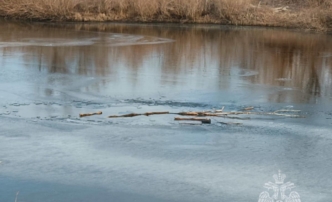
91	114
203	120
134	114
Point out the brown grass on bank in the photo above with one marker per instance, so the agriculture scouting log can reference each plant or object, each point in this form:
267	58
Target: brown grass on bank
308	14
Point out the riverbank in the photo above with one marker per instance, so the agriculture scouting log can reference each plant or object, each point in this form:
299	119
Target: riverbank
308	14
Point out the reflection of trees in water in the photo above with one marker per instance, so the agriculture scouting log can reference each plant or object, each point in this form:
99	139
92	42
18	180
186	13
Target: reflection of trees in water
297	57
276	55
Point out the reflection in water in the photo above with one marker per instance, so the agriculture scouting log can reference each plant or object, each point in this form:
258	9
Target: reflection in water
299	64
76	66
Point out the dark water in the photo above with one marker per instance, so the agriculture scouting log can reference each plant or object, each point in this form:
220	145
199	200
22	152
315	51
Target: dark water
49	73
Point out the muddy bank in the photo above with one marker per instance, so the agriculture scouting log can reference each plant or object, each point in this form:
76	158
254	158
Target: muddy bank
309	14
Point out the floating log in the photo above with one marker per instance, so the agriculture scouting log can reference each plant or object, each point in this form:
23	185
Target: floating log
203	120
134	114
125	115
217	113
155	113
91	114
199	114
188	113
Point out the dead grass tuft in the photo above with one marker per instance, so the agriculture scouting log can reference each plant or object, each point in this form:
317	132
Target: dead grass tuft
308	14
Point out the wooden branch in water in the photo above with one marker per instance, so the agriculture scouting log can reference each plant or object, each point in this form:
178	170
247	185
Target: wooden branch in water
203	120
125	115
91	114
134	114
188	113
216	113
154	113
205	113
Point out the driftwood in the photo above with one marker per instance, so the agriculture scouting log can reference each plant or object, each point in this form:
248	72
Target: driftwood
217	113
204	113
203	120
134	114
91	114
220	113
247	112
201	116
197	114
210	113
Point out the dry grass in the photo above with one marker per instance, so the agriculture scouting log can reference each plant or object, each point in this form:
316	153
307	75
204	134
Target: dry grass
308	14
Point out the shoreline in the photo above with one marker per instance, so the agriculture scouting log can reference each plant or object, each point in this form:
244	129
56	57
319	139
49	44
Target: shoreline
316	17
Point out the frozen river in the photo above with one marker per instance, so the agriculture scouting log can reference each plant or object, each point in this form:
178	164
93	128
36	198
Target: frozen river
50	73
